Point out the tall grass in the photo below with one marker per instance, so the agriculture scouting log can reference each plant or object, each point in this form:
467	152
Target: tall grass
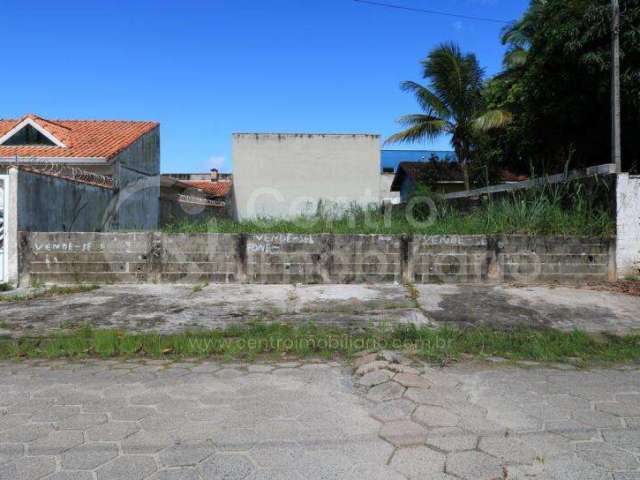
569	209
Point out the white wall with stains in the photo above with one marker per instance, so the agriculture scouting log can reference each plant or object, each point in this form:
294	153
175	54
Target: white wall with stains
628	225
288	175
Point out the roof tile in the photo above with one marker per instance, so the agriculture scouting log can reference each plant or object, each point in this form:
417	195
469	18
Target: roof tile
82	138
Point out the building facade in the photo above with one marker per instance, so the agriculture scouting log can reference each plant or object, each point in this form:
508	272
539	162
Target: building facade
288	175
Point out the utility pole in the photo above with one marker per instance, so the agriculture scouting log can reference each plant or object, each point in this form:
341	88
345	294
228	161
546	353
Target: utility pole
616	147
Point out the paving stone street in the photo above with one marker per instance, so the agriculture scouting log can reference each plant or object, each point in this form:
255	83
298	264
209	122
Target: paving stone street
382	417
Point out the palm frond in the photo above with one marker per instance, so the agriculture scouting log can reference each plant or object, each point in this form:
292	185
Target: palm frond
428	101
420	127
492	119
455	78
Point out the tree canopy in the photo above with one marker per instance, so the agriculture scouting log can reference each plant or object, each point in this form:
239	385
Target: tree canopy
556	83
452	103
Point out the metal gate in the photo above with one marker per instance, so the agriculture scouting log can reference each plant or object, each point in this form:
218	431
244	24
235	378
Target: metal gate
4	200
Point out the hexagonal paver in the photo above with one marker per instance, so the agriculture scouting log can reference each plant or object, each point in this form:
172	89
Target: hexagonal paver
385	391
452	440
56	442
365	449
435	416
28	468
403	433
375	378
151	398
279	455
597	419
71	476
127	468
55	413
88	456
474	465
412	380
626	476
27	433
10	451
425	396
418	463
188	473
235	439
132	413
508	449
147	442
371	367
607	456
331	463
570	467
625	439
626	408
185	454
572	430
82	421
375	472
112	431
393	410
227	467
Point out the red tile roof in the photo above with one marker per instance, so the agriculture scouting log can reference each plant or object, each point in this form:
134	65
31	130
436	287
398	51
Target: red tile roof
216	189
82	138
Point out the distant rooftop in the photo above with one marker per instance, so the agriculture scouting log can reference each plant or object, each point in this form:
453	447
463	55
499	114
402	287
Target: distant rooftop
390	159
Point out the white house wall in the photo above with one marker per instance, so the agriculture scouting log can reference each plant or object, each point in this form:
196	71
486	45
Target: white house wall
628	225
287	175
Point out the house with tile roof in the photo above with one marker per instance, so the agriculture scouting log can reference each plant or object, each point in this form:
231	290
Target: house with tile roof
194	197
58	158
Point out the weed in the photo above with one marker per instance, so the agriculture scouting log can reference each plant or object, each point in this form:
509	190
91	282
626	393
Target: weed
48	292
199	287
547	210
442	345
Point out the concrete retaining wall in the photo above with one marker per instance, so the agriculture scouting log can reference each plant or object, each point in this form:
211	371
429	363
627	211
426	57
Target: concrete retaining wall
628	225
292	258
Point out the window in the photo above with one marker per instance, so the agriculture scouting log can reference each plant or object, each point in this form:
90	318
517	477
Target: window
28	135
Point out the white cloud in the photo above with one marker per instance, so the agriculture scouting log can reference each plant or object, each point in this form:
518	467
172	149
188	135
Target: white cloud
457	26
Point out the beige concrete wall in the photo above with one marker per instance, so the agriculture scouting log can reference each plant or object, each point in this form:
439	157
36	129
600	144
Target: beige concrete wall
628	225
298	258
287	175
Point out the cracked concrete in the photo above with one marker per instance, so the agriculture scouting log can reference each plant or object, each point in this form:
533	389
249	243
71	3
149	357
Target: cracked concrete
162	420
172	308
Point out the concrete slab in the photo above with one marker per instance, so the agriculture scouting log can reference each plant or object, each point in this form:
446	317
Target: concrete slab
174	308
564	308
171	308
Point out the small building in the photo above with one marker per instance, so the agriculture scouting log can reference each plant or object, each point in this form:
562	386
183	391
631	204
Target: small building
56	159
286	175
439	176
194	200
391	159
75	175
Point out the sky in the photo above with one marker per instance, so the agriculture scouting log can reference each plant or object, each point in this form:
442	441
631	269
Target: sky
206	69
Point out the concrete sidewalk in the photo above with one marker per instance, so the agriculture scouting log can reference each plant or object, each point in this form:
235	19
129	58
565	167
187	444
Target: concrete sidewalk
138	420
172	308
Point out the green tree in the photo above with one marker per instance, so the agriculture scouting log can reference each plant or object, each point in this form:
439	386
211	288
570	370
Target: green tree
556	83
452	104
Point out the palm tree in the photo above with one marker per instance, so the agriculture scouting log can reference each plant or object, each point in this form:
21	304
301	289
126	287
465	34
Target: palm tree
452	104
